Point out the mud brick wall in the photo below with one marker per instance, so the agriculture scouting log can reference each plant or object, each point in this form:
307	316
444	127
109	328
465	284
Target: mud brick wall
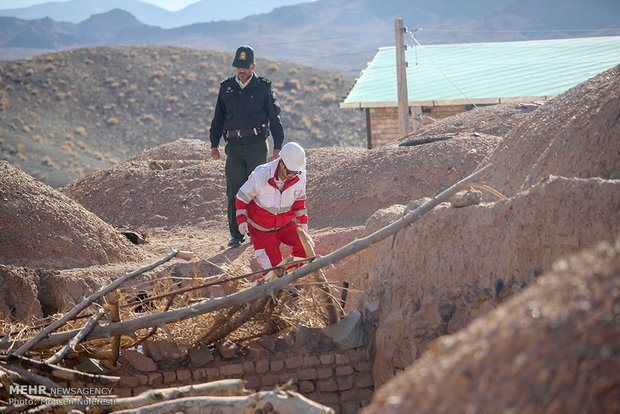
383	122
338	379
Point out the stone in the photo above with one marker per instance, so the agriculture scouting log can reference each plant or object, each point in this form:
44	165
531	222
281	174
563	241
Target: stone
306	387
294	362
162	350
327	359
184	375
466	198
129	382
313	339
308	374
200	356
327	385
262	366
231	370
344	383
324	372
311	361
185	255
417	203
227	348
170	377
137	361
277	366
156	378
348	332
91	366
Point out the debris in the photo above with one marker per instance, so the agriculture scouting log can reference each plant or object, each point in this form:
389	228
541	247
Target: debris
466	198
348	332
185	255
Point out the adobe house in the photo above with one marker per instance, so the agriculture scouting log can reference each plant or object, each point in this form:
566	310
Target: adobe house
443	80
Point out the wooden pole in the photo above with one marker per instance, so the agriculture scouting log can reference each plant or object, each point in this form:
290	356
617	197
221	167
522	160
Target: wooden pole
115	316
401	78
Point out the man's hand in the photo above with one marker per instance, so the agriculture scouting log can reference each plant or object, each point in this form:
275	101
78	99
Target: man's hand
243	228
276	154
215	153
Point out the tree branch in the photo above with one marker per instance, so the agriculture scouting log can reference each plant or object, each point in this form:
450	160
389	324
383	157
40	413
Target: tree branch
57	371
283	402
86	302
70	347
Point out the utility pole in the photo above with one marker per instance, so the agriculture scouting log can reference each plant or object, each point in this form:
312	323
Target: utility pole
401	78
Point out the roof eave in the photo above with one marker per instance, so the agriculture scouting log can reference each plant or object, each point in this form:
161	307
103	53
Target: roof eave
446	102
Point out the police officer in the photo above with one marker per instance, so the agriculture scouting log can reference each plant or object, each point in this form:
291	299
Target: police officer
245	113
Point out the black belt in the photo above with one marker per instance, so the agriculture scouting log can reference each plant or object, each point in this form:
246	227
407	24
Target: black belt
242	133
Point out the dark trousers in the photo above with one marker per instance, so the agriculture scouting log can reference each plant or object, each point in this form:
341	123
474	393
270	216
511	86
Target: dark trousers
241	160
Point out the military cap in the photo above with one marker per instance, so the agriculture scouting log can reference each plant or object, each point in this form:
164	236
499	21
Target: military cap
244	57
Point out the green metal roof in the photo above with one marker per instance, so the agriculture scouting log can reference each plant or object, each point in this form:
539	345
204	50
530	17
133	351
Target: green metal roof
484	72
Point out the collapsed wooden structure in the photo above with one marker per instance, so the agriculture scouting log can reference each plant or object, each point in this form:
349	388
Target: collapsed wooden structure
22	377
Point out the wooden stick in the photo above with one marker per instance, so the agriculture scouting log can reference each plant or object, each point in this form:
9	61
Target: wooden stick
268	288
153	329
217	282
115	316
332	313
283	402
57	371
28	376
222	388
86	302
70	347
228	387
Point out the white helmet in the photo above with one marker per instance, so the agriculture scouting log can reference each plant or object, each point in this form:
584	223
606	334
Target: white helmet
294	156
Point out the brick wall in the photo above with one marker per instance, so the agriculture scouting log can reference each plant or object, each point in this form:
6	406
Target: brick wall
383	122
339	379
383	126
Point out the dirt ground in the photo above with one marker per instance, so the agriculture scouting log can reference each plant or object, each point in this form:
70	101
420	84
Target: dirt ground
557	163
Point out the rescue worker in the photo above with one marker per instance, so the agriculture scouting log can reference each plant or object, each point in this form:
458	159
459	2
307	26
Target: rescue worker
271	205
245	113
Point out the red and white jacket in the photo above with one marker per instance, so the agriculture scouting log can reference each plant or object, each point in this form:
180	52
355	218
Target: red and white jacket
264	206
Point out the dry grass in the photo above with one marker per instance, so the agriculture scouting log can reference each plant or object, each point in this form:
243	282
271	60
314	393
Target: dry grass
158	295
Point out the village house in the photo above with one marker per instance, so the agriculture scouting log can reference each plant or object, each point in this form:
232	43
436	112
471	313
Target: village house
443	80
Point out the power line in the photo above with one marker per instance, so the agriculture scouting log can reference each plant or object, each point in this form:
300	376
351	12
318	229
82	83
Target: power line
362	52
390	32
438	68
523	31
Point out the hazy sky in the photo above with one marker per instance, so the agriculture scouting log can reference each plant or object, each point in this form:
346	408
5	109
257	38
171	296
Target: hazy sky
166	4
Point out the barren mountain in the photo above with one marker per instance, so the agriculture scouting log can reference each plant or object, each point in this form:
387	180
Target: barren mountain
332	34
479	275
66	114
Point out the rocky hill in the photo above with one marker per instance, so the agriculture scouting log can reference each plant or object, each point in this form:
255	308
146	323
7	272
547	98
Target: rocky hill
508	301
65	114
